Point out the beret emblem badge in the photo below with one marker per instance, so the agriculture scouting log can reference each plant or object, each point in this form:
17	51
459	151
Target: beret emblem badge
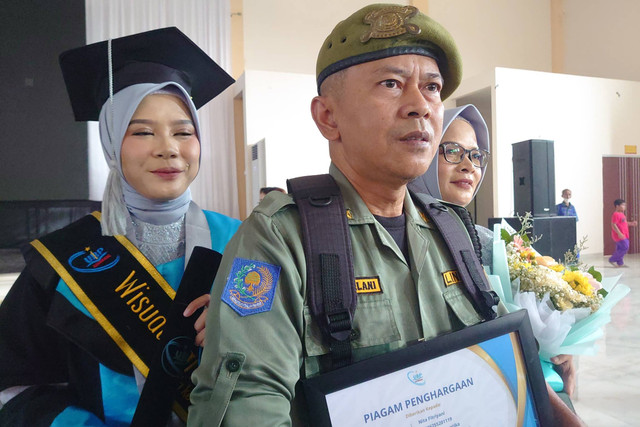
389	22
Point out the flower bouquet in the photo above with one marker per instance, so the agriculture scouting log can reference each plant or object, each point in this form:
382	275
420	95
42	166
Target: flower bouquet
568	302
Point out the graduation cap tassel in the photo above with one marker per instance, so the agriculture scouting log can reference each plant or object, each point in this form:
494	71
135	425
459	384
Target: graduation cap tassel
114	211
110	62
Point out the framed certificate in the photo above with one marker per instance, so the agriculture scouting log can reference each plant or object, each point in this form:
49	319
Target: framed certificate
484	375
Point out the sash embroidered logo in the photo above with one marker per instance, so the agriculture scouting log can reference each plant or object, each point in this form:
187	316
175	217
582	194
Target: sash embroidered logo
138	301
178	360
88	261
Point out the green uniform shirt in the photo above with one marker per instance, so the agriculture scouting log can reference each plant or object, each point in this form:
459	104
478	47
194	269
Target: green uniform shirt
251	365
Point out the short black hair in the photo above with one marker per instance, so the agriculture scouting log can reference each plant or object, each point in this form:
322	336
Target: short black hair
618	202
267	190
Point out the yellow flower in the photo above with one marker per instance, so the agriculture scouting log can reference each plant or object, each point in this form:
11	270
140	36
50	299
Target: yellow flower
528	254
544	276
522	264
578	282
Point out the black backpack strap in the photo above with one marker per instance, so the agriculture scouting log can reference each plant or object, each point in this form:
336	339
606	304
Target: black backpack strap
463	252
327	247
465	216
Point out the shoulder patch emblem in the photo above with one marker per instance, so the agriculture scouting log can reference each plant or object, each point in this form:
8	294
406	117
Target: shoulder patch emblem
368	285
250	286
451	277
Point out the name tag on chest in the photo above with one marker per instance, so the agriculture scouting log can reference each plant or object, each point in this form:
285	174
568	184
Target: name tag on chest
368	285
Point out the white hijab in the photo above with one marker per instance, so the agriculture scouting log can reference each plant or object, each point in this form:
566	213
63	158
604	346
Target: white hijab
120	199
429	183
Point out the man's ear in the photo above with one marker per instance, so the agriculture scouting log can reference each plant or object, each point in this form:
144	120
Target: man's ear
322	110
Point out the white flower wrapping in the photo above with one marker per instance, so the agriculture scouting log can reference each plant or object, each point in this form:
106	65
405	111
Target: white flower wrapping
572	331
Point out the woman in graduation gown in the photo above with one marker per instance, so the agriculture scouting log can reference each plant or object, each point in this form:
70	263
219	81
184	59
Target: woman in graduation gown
107	303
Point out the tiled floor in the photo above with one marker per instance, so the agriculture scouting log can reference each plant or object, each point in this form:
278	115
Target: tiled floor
608	390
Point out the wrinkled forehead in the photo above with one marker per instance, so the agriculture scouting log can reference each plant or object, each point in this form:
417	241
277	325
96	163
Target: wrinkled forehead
399	66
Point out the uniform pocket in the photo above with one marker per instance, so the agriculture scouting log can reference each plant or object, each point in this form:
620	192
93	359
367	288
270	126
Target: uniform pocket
374	324
459	302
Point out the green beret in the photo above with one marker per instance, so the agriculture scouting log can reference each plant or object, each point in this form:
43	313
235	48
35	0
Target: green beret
381	30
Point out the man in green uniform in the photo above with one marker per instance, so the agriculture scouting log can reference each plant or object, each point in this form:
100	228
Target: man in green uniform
382	76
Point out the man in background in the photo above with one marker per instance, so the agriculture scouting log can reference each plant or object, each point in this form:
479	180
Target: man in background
566	208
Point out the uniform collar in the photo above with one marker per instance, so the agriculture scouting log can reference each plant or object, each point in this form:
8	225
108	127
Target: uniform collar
357	210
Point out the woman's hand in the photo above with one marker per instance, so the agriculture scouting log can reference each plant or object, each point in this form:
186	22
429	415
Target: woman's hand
199	325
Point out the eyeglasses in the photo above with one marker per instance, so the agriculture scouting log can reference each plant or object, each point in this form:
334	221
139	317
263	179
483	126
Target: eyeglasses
454	153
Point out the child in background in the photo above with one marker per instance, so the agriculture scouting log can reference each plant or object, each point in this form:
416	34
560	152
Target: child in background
620	233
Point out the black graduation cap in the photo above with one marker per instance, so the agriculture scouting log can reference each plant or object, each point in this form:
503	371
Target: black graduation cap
157	56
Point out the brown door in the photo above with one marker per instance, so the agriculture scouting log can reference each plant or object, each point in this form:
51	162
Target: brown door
620	180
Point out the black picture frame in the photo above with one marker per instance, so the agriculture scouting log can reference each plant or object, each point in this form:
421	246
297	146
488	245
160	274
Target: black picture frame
316	388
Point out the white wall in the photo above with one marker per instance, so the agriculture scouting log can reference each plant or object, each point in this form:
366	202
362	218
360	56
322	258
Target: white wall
497	33
586	117
598	37
286	35
277	108
601	38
